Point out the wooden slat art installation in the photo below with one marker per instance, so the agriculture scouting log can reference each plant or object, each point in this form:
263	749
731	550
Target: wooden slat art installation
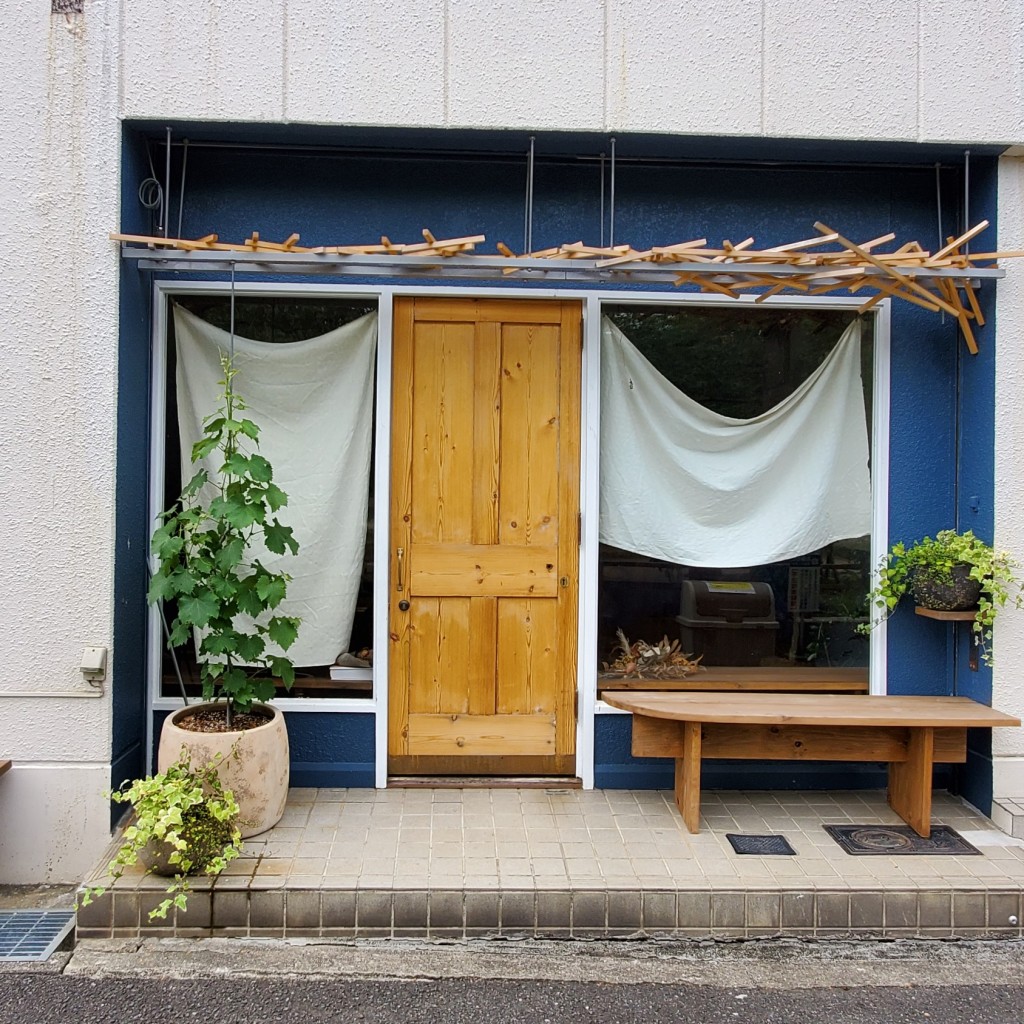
909	272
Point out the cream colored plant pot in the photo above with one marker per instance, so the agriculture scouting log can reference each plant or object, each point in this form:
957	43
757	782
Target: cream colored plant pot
253	763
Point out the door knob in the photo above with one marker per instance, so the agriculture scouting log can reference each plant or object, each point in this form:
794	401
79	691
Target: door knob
403	606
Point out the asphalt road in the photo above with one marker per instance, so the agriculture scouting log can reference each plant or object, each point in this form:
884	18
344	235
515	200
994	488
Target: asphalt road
33	999
768	982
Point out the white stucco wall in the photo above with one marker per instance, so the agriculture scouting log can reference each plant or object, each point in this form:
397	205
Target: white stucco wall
920	70
58	348
1008	680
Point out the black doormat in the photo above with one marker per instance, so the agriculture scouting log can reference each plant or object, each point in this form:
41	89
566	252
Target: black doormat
898	840
762	846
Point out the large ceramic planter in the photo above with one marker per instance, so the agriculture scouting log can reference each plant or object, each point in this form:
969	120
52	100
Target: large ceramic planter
252	763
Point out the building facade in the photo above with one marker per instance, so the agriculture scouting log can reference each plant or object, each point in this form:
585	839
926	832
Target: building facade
342	125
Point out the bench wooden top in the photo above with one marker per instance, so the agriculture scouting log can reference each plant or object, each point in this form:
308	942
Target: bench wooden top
4	765
771	679
812	709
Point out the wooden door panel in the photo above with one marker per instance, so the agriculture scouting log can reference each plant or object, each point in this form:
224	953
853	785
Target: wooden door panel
485	546
442	470
458	735
527	659
529	453
490	570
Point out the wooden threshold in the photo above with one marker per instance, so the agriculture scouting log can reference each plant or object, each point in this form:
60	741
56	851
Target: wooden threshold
482	782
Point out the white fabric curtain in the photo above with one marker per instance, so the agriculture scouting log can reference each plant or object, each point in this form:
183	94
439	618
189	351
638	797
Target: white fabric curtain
313	402
687	485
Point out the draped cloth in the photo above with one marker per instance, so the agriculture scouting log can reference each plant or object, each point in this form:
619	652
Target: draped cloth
687	485
313	402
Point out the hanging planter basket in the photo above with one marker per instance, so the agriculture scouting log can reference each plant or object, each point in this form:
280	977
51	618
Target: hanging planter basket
957	594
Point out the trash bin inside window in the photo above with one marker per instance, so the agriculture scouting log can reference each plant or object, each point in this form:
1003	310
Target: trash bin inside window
727	623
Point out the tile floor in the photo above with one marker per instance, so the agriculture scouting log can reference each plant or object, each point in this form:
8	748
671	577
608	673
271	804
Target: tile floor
595	849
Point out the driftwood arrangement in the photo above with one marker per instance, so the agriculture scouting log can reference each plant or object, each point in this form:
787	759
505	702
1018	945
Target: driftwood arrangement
940	281
642	660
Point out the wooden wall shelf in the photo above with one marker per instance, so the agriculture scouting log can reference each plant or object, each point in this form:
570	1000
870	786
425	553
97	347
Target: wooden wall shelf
932	613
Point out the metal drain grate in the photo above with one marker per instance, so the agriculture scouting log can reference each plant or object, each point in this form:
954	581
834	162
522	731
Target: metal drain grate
763	846
32	935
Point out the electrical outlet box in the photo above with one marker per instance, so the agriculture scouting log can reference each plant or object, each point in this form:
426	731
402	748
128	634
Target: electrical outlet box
94	664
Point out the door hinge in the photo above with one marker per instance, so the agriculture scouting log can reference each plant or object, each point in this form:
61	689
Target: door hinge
579	529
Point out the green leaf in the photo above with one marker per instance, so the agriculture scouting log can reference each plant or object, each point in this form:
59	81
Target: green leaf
259	469
263	689
165	543
230	554
248	600
283	669
271	590
195	485
249	428
249	646
236	463
222	642
241	515
283	630
278	537
203	447
160	589
183	581
198	609
275	497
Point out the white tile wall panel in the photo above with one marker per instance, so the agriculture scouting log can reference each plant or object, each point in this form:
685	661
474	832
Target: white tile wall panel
365	64
56	823
686	68
526	64
212	61
835	69
972	71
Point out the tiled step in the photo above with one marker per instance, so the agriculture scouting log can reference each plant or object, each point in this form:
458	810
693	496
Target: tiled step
1008	814
590	913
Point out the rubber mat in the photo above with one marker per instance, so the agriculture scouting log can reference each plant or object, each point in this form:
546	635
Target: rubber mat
899	840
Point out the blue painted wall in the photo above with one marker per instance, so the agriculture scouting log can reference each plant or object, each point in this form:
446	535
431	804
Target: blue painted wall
129	705
335	197
318	742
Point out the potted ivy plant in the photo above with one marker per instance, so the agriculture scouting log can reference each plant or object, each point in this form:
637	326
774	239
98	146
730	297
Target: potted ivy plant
949	572
184	823
208	548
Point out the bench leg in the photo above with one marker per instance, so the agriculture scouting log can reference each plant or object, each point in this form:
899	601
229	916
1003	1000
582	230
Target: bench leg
910	782
688	777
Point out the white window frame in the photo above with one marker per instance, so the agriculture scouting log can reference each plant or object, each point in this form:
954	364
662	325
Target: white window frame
593	302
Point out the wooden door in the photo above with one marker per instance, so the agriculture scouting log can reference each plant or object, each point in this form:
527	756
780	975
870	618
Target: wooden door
485	474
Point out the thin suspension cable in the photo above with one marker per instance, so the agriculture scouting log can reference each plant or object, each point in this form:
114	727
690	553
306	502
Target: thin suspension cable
167	186
528	213
231	342
938	215
181	197
611	198
602	200
967	197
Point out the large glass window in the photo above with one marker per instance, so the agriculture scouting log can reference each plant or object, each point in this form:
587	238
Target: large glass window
279	321
803	611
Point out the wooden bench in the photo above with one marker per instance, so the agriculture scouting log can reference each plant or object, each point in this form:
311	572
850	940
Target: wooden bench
4	766
910	733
